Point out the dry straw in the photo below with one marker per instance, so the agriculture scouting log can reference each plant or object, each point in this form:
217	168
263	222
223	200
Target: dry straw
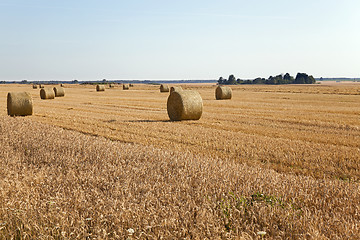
164	88
47	93
111	85
125	86
223	92
59	91
184	105
100	88
34	86
19	104
177	89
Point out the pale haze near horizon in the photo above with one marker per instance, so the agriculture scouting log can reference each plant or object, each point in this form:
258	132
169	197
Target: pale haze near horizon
204	39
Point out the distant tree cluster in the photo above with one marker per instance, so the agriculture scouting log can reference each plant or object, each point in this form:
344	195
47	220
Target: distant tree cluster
301	78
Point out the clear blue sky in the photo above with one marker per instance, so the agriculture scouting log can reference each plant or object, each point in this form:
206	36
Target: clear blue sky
184	39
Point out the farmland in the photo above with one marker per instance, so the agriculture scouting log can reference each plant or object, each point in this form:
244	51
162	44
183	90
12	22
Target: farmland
280	159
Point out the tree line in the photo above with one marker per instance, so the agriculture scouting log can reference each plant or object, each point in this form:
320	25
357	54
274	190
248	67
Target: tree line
301	78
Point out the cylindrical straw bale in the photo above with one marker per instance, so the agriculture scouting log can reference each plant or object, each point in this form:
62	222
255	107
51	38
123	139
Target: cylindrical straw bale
34	86
19	104
47	93
176	88
184	105
41	86
62	85
59	91
125	86
100	88
164	88
223	92
131	85
111	85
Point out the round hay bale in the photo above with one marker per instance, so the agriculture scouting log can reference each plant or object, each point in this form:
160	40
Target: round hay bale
125	86
184	105
223	92
111	85
62	85
59	91
177	89
19	104
34	86
131	85
100	88
41	86
164	88
47	93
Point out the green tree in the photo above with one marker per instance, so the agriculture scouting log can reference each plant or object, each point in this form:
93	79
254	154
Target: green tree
239	81
301	78
311	80
259	80
248	82
287	76
279	79
272	80
288	79
221	80
231	80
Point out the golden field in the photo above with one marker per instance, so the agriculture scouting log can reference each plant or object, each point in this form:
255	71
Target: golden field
280	159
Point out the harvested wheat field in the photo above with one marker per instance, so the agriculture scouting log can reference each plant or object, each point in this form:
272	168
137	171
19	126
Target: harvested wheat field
110	165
